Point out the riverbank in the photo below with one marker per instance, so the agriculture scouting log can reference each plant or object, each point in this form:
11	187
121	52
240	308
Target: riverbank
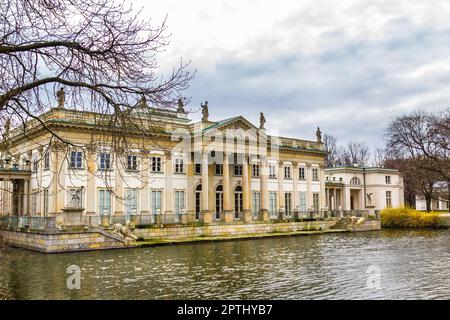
152	243
102	239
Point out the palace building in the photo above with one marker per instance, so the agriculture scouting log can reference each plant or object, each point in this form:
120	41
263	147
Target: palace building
180	171
177	172
363	188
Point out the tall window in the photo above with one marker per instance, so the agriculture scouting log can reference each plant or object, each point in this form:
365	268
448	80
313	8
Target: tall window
47	160
272	172
387	179
156	164
198	168
316	202
301	173
75	198
303	202
105	161
156	196
104	202
179	202
219	201
237	201
76	160
238	170
179	166
287	173
35	164
198	201
272	203
46	201
288	203
34	203
355	180
219	169
132	163
315	174
255	170
388	199
131	202
256	203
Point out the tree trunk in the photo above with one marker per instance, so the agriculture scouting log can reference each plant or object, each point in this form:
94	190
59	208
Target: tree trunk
428	201
448	195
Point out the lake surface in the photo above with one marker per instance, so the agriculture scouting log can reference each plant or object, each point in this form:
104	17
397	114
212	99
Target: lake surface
388	264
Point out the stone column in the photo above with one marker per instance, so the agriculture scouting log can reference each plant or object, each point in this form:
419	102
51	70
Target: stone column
295	200
190	210
145	187
91	192
168	186
264	172
334	207
26	197
309	193
246	206
59	180
118	189
206	215
346	198
322	199
280	190
227	206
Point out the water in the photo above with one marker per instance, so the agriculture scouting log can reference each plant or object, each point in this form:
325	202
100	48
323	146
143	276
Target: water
412	265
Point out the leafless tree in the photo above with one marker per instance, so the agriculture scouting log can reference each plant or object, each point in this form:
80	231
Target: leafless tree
379	157
424	139
354	152
330	145
86	55
101	52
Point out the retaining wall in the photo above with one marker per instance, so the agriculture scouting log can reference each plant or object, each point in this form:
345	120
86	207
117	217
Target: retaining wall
186	231
63	241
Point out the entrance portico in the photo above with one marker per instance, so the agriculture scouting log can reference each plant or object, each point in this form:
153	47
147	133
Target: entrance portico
16	188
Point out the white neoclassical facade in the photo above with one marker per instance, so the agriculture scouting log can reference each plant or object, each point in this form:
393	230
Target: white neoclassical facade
363	188
249	175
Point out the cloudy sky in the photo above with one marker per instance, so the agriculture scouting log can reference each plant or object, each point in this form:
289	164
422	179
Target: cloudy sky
347	66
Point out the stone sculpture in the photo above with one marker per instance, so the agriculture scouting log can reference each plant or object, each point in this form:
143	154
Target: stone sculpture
319	135
61	96
126	231
262	120
205	112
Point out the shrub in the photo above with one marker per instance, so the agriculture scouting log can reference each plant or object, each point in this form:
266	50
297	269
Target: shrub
405	217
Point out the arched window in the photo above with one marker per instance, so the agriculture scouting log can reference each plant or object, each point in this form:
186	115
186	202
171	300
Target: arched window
355	180
219	200
237	201
198	201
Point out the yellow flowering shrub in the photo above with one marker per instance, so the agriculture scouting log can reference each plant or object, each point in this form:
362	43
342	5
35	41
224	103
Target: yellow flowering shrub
405	217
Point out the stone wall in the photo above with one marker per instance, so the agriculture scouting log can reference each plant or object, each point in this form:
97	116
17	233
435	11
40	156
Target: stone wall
63	241
368	225
179	232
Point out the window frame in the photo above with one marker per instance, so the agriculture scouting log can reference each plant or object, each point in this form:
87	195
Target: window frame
133	160
315	174
76	160
156	164
302	173
179	166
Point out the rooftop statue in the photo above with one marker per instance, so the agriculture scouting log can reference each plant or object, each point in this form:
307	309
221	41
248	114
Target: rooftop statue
262	120
61	97
319	135
180	106
205	112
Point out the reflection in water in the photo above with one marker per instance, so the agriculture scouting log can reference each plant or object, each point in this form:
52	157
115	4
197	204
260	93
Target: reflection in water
413	264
